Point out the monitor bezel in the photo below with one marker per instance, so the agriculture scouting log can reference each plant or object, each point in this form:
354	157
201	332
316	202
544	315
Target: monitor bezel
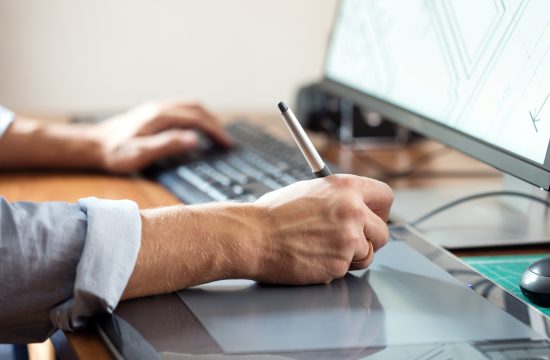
525	169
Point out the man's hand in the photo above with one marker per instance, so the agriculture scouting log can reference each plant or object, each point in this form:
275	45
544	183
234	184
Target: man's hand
307	233
134	139
319	229
123	144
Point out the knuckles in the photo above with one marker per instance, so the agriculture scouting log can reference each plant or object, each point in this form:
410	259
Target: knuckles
347	238
386	231
386	193
342	181
337	268
348	209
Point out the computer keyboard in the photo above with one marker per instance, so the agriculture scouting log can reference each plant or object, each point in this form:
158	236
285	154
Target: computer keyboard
257	164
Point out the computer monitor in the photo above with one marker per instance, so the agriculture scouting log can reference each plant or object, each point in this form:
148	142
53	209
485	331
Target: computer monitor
472	74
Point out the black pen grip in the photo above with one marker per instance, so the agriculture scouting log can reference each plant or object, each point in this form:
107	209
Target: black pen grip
325	171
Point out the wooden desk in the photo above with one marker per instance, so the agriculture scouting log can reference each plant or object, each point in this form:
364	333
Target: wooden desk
70	186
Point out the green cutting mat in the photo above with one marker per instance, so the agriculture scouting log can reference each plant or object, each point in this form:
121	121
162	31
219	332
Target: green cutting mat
505	271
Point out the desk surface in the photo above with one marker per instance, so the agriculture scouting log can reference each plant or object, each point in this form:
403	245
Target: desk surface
70	186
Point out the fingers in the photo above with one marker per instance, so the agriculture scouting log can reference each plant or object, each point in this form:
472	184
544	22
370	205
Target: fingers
167	143
375	230
362	248
370	216
376	235
375	194
366	261
197	117
144	150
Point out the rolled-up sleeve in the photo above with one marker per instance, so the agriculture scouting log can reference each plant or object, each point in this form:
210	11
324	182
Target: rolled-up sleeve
61	263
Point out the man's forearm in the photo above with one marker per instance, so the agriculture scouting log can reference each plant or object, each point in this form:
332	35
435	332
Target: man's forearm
310	232
187	246
30	143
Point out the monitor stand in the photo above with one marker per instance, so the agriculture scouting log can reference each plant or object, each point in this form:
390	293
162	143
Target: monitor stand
492	221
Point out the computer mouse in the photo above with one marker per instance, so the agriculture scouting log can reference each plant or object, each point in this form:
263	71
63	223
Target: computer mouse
535	282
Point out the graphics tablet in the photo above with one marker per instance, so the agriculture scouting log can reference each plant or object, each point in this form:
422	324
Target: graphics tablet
416	301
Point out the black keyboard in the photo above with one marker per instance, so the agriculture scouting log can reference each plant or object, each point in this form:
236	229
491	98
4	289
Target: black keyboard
257	164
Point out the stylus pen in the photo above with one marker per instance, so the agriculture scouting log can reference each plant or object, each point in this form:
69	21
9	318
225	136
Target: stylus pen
317	165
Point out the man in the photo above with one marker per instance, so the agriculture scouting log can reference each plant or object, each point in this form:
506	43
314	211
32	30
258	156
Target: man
61	263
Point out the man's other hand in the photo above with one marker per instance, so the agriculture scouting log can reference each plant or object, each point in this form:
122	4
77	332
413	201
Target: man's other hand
134	139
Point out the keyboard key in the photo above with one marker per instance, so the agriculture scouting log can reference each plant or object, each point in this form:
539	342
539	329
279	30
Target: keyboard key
214	174
230	172
200	184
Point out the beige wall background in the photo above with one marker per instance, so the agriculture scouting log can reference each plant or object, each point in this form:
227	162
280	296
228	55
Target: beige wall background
76	55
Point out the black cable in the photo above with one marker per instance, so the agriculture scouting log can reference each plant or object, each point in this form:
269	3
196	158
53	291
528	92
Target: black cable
474	197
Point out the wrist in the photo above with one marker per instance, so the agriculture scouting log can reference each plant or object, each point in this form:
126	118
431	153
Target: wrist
252	250
238	232
83	148
64	145
184	246
99	143
89	146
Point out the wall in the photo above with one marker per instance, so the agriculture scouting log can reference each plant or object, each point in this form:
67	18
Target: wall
68	55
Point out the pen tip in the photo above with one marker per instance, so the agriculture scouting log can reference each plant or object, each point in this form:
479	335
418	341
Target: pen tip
282	107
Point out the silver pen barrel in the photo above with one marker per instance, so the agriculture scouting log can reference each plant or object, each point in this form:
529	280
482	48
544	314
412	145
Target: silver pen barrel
311	155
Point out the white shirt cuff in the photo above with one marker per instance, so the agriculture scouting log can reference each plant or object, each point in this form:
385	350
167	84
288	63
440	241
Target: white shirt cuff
6	118
110	252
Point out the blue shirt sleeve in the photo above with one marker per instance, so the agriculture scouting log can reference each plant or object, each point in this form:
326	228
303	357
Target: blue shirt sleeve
61	263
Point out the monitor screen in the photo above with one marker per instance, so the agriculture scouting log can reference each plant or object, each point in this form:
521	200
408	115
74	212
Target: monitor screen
479	69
